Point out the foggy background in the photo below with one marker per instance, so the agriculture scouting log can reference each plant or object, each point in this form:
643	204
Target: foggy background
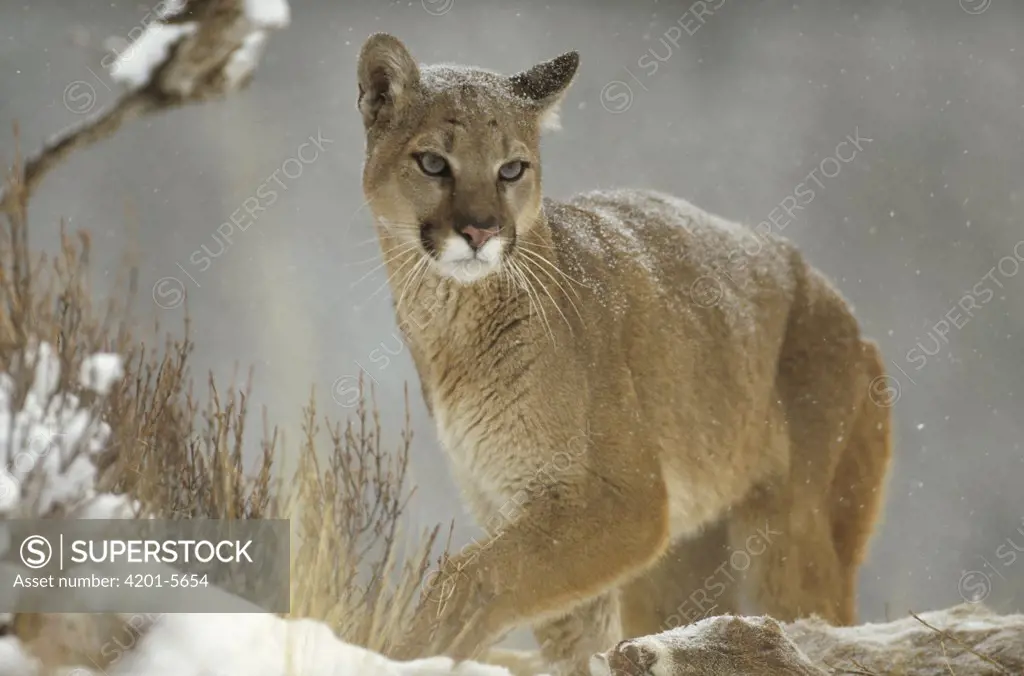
738	109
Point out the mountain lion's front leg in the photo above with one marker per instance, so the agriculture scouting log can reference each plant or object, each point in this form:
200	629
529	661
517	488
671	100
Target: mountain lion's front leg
567	643
581	536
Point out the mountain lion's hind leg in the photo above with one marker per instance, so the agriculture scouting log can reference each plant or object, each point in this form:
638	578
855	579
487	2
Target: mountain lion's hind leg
820	510
690	582
791	567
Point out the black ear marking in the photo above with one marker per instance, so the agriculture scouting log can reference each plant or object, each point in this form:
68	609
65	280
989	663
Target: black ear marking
544	86
546	80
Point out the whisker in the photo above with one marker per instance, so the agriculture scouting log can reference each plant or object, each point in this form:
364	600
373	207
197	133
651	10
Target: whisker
513	284
547	292
516	277
568	299
556	268
405	248
529	288
509	270
408	280
372	240
399	225
553	247
389	278
419	280
363	262
505	279
559	285
393	254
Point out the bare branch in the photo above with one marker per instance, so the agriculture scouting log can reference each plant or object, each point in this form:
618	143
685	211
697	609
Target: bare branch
204	50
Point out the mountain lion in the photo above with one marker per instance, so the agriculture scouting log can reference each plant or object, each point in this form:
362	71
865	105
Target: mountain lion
631	391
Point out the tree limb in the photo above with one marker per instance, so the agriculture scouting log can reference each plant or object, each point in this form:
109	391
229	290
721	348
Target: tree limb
204	49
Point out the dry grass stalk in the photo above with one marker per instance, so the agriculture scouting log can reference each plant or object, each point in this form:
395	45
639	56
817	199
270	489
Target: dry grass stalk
349	514
184	459
947	636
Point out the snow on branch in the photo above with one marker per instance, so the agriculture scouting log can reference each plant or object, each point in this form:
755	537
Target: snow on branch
268	13
195	50
200	48
134	68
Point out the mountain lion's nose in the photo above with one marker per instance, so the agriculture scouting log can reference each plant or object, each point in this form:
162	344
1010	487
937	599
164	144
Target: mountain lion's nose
477	237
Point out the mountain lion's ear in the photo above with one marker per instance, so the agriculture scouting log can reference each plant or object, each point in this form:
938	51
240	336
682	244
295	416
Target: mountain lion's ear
545	85
387	73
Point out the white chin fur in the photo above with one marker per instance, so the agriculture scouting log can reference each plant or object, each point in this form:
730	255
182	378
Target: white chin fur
458	262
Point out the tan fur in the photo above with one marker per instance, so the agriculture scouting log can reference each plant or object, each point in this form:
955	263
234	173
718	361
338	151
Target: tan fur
629	388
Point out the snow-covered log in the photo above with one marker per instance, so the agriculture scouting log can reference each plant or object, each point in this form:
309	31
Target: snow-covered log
965	640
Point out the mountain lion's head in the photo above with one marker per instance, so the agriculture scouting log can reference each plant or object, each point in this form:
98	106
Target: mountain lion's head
452	153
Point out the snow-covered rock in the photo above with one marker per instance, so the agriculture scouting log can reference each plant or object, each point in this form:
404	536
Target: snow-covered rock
966	640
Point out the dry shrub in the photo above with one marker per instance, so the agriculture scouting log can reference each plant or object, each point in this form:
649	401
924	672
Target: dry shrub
183	459
353	575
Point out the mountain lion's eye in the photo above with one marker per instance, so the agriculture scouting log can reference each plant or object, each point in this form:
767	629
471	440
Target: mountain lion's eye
512	171
432	165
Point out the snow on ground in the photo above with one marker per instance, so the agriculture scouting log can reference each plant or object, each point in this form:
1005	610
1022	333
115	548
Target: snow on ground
257	644
265	645
244	642
46	450
14	661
